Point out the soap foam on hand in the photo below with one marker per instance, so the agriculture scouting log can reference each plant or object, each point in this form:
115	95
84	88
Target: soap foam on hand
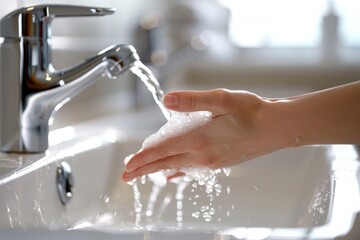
179	123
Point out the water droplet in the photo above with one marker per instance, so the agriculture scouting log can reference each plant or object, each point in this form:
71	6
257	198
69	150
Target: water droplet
227	171
218	189
207	217
212	211
228	190
143	179
204	208
149	213
195	214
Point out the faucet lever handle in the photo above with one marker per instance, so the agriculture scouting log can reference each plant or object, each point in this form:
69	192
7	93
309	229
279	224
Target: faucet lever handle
34	21
75	11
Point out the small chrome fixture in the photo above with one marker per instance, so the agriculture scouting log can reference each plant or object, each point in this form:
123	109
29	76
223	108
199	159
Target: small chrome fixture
64	182
31	89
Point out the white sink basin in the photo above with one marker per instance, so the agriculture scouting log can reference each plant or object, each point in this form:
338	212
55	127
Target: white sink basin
309	192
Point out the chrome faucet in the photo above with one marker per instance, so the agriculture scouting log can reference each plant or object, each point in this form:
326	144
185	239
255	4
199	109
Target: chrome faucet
31	89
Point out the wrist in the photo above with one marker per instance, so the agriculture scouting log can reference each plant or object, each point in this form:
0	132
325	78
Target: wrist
283	130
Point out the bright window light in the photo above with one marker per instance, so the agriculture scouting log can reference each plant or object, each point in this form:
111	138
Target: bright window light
289	23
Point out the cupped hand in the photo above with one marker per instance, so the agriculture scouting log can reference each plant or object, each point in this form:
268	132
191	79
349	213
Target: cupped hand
243	126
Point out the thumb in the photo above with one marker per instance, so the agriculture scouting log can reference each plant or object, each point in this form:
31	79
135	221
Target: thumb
217	101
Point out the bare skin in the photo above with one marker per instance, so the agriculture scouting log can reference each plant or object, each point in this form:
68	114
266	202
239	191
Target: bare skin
245	126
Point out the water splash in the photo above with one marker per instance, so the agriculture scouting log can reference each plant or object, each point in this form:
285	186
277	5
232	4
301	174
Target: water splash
156	189
181	185
137	203
13	210
207	178
319	203
178	123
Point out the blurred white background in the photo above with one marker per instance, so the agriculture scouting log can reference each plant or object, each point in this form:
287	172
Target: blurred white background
274	48
284	23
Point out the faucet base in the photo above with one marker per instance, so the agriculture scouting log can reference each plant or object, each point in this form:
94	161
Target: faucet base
30	140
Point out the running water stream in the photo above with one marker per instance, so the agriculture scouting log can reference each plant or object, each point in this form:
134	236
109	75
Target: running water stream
148	78
177	123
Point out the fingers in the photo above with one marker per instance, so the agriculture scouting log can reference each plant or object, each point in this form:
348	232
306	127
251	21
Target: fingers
193	141
210	159
150	155
171	162
144	157
217	101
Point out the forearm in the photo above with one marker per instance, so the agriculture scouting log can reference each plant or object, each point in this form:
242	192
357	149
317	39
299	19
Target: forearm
331	116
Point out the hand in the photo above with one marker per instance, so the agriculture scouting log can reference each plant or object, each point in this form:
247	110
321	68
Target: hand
243	126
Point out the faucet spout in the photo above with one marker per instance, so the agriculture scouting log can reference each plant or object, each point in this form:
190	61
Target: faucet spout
67	83
27	130
31	89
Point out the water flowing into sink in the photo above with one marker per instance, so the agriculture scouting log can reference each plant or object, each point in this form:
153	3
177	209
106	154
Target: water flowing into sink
148	78
205	178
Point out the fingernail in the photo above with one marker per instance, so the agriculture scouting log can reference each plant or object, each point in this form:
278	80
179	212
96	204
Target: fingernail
170	100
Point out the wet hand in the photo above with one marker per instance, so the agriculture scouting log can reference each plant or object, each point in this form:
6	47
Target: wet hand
243	126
